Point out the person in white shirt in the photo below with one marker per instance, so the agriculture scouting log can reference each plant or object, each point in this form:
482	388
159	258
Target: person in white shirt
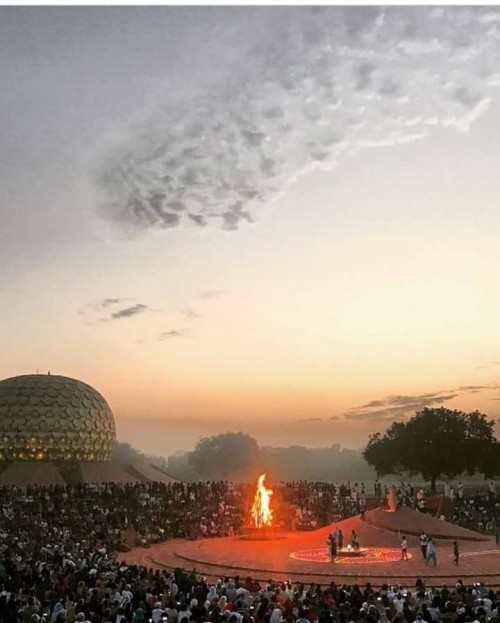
184	613
127	593
398	602
275	616
404	549
157	613
431	552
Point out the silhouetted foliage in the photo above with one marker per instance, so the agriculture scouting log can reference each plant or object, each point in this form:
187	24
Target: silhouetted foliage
230	456
436	442
125	453
177	465
238	457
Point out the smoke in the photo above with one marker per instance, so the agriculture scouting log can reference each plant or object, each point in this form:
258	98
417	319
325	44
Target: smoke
293	89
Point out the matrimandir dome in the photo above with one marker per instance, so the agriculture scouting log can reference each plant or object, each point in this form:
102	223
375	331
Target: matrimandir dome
46	417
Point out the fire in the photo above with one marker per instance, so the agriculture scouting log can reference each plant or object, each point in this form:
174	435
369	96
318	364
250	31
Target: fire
262	514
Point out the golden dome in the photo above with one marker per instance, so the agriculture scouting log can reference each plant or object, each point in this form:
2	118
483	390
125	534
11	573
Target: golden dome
46	417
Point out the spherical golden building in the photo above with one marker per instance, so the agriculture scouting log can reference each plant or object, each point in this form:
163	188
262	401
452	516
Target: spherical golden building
45	417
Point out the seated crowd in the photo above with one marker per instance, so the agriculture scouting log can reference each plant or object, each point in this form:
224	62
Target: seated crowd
479	511
58	563
90	513
94	589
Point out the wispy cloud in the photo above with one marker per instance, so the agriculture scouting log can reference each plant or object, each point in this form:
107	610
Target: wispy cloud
320	83
398	406
402	406
128	312
373	403
93	312
173	333
189	312
491	364
101	305
310	419
210	294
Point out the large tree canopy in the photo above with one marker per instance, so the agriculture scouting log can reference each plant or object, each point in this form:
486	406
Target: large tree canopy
227	456
435	443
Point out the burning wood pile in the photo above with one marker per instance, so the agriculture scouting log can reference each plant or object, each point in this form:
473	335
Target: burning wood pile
260	524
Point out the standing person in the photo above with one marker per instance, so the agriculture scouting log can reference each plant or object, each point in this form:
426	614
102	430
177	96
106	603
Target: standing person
404	549
340	540
354	540
333	550
332	547
456	552
423	544
431	552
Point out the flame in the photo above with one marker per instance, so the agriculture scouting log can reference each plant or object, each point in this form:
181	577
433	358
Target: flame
262	514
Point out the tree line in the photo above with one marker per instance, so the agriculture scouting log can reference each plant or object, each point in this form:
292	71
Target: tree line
237	456
435	443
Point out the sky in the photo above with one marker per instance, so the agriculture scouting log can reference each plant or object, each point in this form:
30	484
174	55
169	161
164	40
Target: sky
276	220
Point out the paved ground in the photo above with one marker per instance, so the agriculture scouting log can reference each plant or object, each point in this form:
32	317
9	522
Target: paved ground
480	559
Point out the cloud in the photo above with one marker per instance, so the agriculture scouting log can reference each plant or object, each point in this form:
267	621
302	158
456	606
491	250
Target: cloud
402	406
167	335
189	312
398	406
127	312
210	294
373	403
475	388
490	364
310	419
98	307
95	310
297	88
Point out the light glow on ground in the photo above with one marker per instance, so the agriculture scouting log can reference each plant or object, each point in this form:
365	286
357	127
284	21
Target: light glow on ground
372	555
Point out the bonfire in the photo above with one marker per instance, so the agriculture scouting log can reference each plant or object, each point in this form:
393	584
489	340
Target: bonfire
262	514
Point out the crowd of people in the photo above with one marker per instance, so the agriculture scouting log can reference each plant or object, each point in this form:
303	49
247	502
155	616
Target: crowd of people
58	561
308	505
153	512
408	495
96	589
478	511
91	513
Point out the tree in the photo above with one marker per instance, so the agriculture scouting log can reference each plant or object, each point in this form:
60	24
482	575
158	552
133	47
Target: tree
434	443
232	456
126	453
177	465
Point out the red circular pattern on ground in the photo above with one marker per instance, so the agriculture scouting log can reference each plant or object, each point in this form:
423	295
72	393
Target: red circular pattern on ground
372	555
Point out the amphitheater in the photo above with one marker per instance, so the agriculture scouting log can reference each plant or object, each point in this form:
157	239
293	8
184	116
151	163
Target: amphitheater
57	430
302	555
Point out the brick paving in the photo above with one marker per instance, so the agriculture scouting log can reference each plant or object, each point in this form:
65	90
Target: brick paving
480	559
